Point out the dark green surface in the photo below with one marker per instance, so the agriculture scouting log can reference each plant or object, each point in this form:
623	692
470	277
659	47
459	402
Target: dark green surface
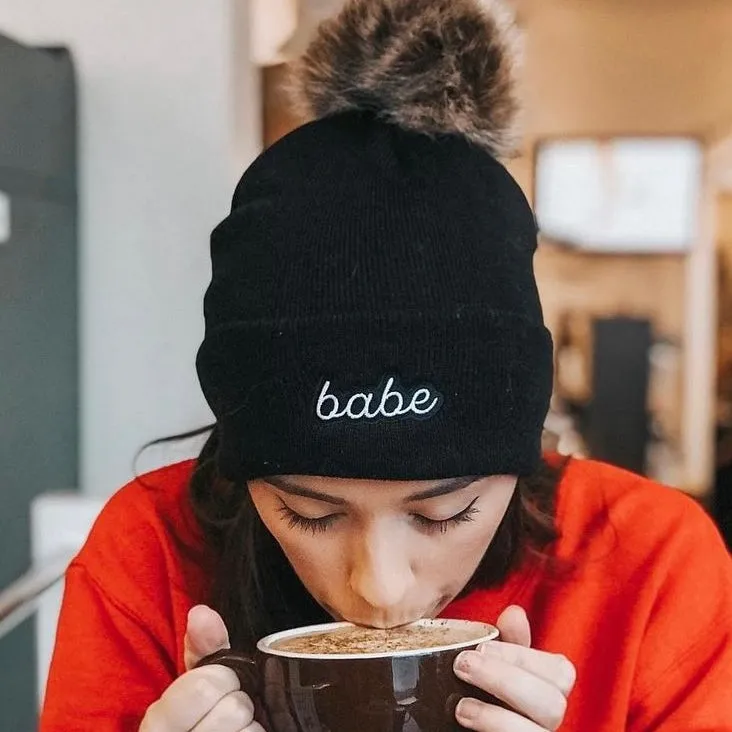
38	326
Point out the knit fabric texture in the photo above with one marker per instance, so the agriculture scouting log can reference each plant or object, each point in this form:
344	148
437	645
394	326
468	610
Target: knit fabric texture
373	311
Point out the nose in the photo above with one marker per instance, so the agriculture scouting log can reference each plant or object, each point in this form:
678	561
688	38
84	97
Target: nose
381	572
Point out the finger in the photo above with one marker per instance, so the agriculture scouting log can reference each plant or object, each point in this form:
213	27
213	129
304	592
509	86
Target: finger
529	695
253	727
514	626
479	716
190	698
206	633
552	667
233	713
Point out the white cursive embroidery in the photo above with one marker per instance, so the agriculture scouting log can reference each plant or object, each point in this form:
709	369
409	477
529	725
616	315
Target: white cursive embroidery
393	403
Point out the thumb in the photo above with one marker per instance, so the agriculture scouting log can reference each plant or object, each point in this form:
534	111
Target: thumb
513	625
206	634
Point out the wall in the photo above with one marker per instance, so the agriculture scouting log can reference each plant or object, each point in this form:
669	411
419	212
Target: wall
608	66
169	115
724	234
724	361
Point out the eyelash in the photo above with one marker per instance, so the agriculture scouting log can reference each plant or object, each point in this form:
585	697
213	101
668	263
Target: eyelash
321	525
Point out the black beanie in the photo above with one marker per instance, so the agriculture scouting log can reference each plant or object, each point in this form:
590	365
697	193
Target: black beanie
373	311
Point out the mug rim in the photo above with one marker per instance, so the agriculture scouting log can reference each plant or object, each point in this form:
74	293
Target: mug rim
265	644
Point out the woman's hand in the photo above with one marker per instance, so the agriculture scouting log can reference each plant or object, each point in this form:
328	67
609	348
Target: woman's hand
206	699
534	684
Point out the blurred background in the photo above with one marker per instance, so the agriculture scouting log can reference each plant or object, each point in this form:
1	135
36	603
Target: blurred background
123	129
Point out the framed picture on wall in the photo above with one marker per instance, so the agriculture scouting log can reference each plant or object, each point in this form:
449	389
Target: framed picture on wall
623	194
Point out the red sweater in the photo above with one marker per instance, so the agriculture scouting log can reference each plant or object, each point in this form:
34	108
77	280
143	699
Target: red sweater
646	615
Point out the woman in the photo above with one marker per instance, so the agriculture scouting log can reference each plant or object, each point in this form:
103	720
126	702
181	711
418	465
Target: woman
376	359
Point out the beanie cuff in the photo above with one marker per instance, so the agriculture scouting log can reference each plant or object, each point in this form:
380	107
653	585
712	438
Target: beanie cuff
398	398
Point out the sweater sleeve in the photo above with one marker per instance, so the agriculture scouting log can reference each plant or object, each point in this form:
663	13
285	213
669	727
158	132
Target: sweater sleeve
107	667
119	640
684	671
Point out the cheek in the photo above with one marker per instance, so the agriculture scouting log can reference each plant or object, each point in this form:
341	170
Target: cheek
451	559
456	556
314	558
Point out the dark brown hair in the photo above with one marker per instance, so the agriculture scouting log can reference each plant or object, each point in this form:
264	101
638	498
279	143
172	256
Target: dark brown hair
255	588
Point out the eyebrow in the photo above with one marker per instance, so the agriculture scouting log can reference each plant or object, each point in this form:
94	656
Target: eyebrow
448	486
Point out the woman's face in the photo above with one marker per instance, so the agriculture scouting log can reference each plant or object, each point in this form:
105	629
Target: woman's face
383	553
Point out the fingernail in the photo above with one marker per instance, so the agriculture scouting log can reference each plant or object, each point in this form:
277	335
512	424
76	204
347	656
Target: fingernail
487	647
467	710
462	664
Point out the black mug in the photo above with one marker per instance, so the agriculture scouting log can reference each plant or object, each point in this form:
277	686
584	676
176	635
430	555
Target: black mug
411	690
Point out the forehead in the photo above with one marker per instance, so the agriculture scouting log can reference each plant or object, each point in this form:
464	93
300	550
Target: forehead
350	490
357	485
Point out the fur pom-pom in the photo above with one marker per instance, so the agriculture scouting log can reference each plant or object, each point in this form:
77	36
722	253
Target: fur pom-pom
433	66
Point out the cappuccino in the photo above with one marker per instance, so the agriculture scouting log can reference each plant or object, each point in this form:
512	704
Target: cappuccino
357	640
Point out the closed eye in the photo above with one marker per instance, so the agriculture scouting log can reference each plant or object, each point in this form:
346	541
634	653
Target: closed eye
313	525
442	525
321	524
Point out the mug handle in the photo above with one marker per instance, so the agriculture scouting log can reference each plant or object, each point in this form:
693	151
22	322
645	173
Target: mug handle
243	665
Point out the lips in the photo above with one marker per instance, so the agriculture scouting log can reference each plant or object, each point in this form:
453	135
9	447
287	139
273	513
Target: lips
375	622
381	622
